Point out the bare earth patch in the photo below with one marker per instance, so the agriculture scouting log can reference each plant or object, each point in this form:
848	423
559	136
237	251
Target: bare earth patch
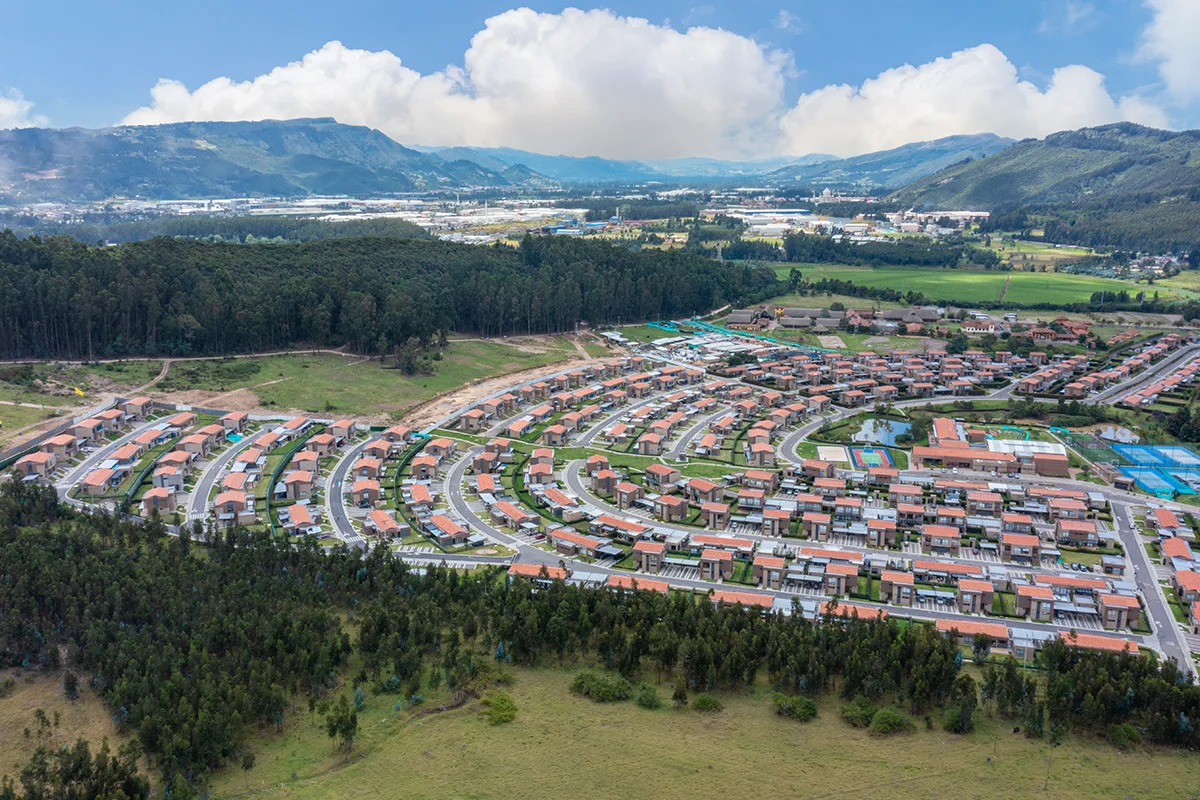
832	342
444	405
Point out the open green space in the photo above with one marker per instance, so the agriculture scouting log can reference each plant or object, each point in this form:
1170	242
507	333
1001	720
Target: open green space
54	383
561	745
351	385
975	286
14	418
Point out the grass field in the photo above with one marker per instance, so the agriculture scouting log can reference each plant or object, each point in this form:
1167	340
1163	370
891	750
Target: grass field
53	383
85	718
328	383
564	746
13	418
977	286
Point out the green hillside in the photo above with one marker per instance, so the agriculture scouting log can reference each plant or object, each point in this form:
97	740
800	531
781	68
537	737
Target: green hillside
1113	162
226	159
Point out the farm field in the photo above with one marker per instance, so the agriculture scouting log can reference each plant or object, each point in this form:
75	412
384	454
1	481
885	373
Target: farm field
346	385
976	286
1020	253
561	745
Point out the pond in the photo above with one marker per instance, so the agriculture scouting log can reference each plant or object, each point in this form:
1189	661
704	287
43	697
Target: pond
881	431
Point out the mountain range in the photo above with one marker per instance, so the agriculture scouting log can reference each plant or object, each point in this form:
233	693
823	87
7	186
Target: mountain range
1119	162
229	159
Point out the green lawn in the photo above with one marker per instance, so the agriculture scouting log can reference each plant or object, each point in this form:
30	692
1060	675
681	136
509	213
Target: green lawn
642	333
13	418
561	745
335	384
979	286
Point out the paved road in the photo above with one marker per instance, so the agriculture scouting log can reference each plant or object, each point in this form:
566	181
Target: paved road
680	448
197	502
335	504
588	436
78	472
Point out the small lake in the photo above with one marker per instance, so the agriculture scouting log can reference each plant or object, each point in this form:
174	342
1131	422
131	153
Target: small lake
881	431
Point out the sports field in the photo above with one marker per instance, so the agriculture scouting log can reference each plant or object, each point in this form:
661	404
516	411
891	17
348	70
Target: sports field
975	286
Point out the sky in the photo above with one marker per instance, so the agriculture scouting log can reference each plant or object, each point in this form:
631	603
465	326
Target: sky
637	80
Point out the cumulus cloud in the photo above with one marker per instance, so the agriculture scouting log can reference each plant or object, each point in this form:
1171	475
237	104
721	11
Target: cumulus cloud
972	91
594	83
15	111
578	83
788	22
1170	39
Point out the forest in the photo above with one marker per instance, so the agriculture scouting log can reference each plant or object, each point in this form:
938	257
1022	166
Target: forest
62	299
922	252
194	653
240	229
1148	223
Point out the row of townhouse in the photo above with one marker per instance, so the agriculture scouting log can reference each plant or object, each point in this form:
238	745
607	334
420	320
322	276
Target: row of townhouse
1174	541
1179	377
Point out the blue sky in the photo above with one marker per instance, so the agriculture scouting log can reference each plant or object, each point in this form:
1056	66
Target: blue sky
81	63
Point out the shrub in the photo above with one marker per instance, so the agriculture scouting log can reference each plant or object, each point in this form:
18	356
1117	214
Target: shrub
647	697
887	721
680	696
1123	735
602	688
500	707
799	708
859	712
707	703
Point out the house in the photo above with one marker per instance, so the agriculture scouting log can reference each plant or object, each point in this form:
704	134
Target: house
1187	584
627	494
365	492
446	531
555	436
423	468
1173	547
594	463
662	477
158	501
323	443
1016	523
1194	618
848	508
298	485
605	481
234	421
984	504
382	524
767	571
234	508
964	631
485	462
1035	602
397	436
541	573
714	515
197	444
841	579
99	481
367	468
343	429
89	429
670	509
759	454
297	519
761	479
1166	523
1077	532
440	449
1093	641
1067	508
137	407
649	444
511	515
172	478
1118	611
776	522
420	500
897	587
571	543
815	525
881	532
113	418
975	596
625	583
37	465
700	491
941	539
648	555
716	564
1020	547
64	446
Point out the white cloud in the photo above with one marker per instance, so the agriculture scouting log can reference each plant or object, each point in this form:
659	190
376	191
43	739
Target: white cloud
15	111
972	91
787	21
1072	16
1170	39
593	83
578	83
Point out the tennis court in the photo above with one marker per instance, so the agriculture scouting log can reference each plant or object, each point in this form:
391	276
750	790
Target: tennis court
867	457
1156	481
1161	469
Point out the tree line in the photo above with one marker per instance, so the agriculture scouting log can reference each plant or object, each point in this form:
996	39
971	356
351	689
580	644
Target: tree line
114	229
914	252
63	299
193	654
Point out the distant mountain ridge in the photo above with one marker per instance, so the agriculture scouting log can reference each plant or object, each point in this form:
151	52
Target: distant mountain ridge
229	159
1109	162
893	168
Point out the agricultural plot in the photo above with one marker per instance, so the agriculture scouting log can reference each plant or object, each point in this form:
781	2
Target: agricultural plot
975	286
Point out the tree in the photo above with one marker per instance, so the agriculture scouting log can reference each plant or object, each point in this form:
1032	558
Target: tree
958	344
71	685
341	723
680	696
963	700
981	646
